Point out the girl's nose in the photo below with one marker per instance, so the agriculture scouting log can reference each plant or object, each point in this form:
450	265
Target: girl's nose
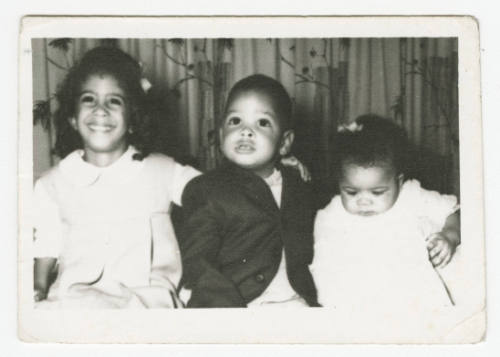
101	109
246	131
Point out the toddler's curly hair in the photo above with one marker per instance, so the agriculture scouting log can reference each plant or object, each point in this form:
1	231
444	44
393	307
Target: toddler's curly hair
373	141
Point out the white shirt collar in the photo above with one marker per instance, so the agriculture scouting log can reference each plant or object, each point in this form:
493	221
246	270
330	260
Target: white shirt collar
81	173
275	179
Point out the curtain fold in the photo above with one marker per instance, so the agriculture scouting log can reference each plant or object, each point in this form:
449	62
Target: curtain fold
414	81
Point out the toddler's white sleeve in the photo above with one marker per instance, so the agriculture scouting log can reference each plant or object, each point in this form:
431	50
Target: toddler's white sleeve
434	205
182	175
47	224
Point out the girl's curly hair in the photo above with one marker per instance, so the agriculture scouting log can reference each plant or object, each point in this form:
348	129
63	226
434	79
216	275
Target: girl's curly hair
375	141
127	72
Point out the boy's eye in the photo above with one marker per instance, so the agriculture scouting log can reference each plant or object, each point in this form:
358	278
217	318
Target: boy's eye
234	121
87	99
264	122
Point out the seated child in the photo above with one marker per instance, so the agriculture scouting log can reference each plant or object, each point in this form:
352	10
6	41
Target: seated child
247	237
380	242
102	214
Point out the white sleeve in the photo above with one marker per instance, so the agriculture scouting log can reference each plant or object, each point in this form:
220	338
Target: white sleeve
182	175
47	224
434	205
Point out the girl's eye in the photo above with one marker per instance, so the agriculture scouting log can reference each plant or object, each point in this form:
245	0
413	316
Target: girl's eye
264	122
378	193
350	192
234	121
116	101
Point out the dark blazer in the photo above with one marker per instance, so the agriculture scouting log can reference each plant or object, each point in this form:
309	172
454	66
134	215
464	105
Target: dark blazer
233	235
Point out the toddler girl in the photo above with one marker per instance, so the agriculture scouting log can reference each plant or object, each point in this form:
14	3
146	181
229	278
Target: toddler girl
380	241
102	223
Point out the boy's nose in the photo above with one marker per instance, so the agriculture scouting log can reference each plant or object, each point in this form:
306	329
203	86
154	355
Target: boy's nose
246	132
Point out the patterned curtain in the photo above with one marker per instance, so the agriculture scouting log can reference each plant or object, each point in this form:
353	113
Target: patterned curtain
331	81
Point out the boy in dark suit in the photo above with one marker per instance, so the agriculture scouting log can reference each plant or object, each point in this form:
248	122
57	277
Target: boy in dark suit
247	236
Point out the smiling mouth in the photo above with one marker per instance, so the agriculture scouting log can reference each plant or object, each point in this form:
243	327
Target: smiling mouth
100	128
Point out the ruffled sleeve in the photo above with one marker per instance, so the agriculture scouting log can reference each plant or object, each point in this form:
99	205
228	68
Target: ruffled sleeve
47	223
431	205
181	176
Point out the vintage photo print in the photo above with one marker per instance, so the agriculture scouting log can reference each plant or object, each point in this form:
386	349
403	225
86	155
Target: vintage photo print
250	180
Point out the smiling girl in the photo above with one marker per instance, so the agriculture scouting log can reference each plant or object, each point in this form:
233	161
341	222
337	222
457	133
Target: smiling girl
102	223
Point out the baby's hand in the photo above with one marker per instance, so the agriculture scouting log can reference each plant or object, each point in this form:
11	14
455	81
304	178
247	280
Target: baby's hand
440	250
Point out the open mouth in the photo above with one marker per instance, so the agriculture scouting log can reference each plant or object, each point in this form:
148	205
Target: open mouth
244	147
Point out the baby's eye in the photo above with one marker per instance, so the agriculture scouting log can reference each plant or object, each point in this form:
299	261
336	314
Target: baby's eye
264	122
378	192
234	121
350	192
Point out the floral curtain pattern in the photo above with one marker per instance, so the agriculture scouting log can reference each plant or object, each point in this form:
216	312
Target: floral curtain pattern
414	81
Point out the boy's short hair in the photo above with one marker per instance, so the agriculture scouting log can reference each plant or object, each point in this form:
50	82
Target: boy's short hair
273	89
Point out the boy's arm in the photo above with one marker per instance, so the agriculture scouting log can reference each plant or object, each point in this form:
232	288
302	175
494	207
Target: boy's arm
442	245
200	241
42	274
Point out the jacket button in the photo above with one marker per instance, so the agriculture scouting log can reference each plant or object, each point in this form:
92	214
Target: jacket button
244	260
259	278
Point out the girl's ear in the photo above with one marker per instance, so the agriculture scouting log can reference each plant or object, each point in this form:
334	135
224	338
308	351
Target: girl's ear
286	142
221	137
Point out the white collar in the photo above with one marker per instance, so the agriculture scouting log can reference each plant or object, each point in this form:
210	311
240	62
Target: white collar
275	179
82	174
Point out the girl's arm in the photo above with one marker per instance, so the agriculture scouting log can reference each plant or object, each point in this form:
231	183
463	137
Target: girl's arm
47	238
42	275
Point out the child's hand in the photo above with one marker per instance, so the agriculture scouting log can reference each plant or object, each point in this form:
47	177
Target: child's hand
440	249
292	161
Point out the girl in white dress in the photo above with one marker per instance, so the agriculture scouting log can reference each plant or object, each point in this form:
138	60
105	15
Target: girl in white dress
102	223
382	241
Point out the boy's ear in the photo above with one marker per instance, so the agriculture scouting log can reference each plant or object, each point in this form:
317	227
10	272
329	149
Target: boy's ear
72	122
286	142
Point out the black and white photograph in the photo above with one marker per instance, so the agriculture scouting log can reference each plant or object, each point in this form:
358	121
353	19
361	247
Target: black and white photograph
317	180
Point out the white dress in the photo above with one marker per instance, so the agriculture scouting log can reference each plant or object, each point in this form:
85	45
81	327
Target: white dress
381	261
110	230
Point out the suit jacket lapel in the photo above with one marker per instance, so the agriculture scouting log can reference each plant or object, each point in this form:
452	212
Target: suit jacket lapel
256	189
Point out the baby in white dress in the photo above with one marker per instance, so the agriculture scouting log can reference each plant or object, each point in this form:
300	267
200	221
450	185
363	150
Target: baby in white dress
382	241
